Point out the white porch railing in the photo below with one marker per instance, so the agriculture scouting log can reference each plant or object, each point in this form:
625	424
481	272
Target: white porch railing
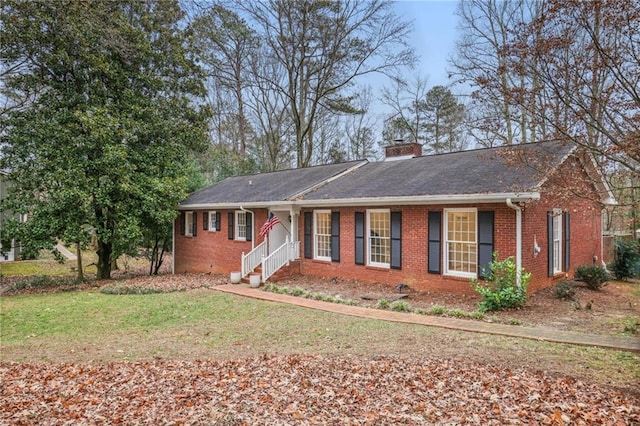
279	258
252	259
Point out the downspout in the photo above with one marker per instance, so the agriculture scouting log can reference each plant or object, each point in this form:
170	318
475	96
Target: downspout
518	241
252	224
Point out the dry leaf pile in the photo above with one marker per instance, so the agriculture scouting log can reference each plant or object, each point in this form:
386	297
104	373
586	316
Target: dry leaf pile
302	390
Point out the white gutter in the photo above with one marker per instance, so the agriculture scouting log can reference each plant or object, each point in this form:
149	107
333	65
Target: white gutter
253	225
378	201
518	241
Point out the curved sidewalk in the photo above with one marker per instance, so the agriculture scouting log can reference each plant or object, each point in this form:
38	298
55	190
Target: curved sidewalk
533	333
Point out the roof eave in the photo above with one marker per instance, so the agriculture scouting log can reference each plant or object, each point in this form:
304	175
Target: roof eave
375	201
424	199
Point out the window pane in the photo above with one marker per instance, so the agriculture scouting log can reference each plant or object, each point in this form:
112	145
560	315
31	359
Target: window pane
379	237
212	221
241	225
461	242
323	234
557	243
188	228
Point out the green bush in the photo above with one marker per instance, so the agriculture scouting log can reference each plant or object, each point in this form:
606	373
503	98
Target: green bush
458	313
400	306
593	276
500	290
437	310
565	290
383	304
631	325
120	290
40	281
627	260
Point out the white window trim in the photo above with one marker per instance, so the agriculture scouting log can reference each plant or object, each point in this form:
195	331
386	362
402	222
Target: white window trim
446	243
557	225
368	247
188	224
315	235
212	221
236	225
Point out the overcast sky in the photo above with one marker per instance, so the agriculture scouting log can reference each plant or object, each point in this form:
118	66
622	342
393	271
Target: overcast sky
435	35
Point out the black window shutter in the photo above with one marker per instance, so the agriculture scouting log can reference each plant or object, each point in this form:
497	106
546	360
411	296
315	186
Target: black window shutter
218	217
434	252
194	229
205	221
308	234
249	226
230	225
359	232
566	228
396	240
183	221
335	236
485	242
550	244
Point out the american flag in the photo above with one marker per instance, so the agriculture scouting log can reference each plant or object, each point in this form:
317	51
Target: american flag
269	224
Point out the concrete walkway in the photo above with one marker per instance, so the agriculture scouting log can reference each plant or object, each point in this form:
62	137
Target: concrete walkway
534	333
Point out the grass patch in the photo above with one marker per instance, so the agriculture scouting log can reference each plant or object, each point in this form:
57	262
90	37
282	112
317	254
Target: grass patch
89	326
46	264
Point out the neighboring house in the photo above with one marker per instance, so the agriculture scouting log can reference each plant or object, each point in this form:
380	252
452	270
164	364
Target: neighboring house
9	249
431	222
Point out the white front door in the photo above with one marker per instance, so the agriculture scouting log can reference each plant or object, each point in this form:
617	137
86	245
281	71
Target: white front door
278	234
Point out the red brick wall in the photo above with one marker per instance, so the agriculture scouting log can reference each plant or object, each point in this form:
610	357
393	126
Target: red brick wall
585	215
212	251
414	250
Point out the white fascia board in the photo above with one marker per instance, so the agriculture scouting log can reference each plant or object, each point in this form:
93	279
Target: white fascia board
231	206
424	199
375	201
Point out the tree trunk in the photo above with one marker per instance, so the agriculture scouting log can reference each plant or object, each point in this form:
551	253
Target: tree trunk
79	264
104	260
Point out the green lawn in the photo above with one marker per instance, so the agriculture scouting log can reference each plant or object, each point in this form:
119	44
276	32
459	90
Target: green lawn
89	326
46	264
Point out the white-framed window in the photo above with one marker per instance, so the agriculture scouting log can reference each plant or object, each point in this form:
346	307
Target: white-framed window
379	237
241	226
461	245
322	234
213	225
557	241
188	224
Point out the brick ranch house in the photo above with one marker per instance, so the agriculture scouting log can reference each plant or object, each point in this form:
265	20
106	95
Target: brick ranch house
431	222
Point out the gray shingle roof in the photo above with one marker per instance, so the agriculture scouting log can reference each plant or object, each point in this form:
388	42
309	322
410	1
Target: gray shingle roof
265	187
484	171
519	168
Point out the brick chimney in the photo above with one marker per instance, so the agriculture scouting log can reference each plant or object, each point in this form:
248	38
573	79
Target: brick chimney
400	150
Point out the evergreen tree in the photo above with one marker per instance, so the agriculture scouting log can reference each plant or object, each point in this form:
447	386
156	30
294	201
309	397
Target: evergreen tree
103	146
